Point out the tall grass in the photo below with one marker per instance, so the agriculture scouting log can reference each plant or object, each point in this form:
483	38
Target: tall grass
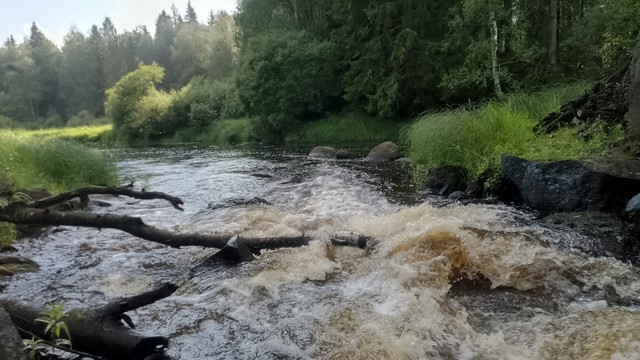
54	164
346	128
476	138
81	133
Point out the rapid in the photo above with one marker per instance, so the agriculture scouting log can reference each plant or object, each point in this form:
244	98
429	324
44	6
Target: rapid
443	281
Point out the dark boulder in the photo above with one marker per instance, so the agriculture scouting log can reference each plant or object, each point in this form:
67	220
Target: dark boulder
323	152
571	185
386	151
447	179
345	154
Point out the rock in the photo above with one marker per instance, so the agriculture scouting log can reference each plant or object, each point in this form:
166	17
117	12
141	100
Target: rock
633	206
386	151
457	195
10	342
595	233
323	152
447	179
406	160
569	185
345	154
11	264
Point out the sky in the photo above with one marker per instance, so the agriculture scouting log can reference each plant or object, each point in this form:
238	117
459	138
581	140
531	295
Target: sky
55	17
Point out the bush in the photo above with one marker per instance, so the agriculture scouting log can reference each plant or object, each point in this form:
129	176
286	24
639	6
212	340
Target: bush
124	97
6	122
347	128
230	132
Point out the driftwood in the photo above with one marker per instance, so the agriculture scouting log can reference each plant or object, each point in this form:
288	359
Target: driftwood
606	102
39	213
98	331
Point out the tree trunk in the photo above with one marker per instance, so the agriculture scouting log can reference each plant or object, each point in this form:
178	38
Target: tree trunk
97	331
40	212
553	33
494	56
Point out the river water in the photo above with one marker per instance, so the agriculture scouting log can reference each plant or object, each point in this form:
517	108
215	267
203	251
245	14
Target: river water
443	282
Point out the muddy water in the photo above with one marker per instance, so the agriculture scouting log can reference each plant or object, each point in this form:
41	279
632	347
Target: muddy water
453	282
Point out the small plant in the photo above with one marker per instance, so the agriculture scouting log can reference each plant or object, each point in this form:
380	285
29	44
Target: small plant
56	327
35	348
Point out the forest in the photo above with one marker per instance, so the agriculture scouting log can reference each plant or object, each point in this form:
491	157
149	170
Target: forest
275	65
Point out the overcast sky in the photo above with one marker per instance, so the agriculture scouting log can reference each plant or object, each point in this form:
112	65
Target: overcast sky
55	17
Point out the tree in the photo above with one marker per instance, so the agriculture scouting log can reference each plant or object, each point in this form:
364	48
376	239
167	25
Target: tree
284	76
19	88
46	57
190	16
123	98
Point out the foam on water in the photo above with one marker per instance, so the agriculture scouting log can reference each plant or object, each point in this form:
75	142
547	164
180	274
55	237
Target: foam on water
459	282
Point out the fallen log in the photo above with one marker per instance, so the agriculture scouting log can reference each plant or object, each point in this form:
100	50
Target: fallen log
39	213
98	331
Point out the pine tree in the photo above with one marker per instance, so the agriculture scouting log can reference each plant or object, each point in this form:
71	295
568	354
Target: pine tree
190	16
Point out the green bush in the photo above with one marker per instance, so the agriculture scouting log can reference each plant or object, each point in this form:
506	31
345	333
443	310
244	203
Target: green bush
6	122
124	98
346	128
230	131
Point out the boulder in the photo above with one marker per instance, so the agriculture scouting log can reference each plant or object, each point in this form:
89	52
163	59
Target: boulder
386	151
569	185
446	179
406	160
10	342
323	152
345	154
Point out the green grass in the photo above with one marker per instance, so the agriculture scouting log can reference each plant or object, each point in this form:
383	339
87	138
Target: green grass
477	138
54	164
80	133
31	161
346	128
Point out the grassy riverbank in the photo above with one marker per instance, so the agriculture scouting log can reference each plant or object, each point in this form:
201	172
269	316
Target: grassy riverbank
56	165
476	138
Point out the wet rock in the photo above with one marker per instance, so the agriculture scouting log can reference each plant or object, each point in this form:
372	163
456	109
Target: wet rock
633	206
569	185
323	152
234	202
11	264
345	154
407	160
386	151
447	179
595	233
457	195
10	342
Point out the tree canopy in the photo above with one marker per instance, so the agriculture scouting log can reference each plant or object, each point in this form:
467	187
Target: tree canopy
293	60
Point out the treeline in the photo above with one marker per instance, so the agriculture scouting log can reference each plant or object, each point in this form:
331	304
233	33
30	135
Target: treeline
286	62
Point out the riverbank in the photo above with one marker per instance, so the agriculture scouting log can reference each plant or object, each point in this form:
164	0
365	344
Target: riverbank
46	162
475	138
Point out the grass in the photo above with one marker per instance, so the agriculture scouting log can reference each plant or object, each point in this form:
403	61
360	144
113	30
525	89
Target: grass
477	138
53	164
346	128
80	133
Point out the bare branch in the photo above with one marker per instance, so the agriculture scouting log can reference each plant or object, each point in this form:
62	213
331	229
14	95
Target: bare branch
104	190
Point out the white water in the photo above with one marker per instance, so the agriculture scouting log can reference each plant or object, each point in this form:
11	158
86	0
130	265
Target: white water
458	282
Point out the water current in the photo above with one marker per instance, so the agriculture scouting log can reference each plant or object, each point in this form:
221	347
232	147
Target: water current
443	282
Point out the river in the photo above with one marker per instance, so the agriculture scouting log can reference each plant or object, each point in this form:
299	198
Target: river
445	281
